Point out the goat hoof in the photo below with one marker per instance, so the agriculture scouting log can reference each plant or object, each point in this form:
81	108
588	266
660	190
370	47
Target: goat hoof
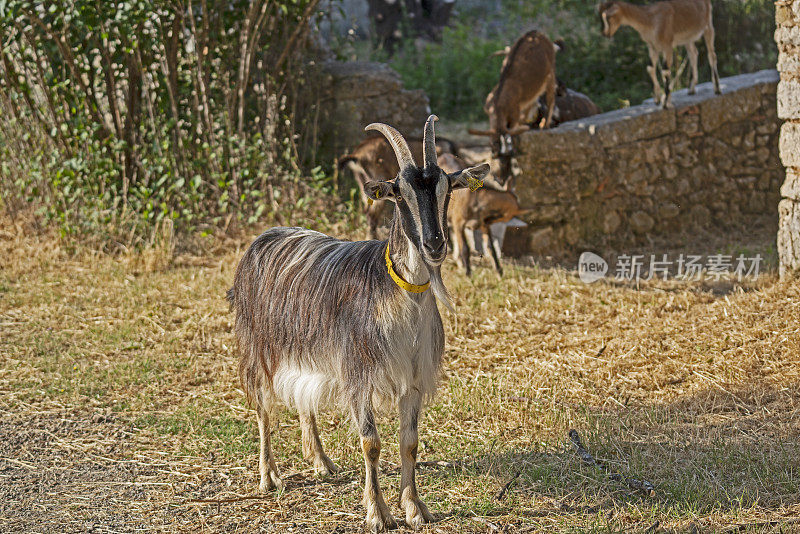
325	467
271	482
381	524
417	515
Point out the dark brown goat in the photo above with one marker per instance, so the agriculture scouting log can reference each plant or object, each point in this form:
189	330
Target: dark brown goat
570	105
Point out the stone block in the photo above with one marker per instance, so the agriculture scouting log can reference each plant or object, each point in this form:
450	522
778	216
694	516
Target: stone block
700	215
729	107
787	34
789	60
641	222
791	186
789	236
611	221
633	124
789	99
789	144
669	210
540	239
783	15
555	144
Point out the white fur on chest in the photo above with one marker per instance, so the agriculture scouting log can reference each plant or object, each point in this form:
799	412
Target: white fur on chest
411	361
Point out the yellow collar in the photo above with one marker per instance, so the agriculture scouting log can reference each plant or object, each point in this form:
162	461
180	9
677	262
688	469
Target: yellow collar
402	283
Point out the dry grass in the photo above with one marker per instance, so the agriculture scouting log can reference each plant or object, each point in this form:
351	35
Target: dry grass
121	410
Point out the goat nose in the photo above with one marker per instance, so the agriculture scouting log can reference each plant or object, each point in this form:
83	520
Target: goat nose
434	247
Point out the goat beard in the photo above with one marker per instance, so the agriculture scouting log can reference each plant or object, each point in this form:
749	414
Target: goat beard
438	287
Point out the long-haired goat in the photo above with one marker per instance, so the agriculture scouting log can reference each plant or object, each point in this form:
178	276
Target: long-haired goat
374	160
528	71
663	26
324	321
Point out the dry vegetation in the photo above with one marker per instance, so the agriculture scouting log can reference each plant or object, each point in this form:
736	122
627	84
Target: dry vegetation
121	410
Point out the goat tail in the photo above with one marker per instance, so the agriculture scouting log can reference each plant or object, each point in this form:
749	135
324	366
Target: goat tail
559	45
230	295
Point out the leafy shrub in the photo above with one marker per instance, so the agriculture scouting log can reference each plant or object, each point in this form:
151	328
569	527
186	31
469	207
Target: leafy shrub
117	115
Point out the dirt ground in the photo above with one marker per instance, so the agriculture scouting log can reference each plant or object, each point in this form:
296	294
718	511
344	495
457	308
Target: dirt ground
121	410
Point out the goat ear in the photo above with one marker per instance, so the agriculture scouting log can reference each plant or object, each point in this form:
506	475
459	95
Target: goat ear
471	177
379	190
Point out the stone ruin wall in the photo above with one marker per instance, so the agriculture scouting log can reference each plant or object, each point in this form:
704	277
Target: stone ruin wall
625	178
787	35
360	92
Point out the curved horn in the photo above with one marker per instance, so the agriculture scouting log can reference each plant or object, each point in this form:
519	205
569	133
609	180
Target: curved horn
401	150
429	142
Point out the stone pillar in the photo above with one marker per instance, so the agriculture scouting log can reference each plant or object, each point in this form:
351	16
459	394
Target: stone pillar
787	35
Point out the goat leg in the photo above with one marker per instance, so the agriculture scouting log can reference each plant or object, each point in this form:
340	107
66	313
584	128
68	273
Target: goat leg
463	248
312	446
488	245
708	36
379	519
691	52
266	461
652	70
417	513
550	95
667	73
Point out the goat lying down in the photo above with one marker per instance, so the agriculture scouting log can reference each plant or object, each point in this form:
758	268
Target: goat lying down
569	106
322	321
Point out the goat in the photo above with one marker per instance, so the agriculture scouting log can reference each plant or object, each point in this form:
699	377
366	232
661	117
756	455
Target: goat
663	26
324	321
374	160
477	210
569	106
528	71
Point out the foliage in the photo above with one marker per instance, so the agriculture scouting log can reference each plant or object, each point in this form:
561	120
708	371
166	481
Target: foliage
458	73
116	115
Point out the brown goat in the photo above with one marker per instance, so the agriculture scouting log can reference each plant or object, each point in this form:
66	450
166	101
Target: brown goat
663	26
374	160
570	105
476	210
528	71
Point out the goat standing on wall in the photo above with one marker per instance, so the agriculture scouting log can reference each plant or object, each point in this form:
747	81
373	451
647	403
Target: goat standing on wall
324	321
663	26
528	71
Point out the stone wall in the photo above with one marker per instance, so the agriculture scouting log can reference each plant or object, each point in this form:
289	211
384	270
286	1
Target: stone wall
787	35
360	92
623	178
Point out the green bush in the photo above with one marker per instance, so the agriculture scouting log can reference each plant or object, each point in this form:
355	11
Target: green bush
456	74
117	115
